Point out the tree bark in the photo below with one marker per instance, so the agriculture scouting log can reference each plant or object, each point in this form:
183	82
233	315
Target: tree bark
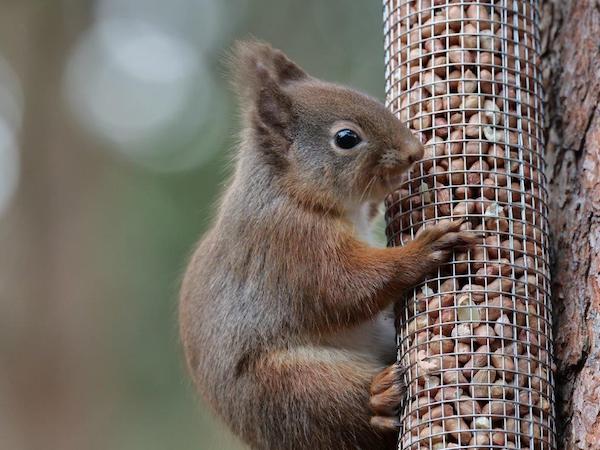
571	48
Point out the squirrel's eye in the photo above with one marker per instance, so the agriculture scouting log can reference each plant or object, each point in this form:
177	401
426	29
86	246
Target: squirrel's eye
347	139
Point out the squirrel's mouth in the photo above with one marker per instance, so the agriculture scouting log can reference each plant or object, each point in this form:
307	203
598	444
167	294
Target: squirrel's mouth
396	180
391	180
394	177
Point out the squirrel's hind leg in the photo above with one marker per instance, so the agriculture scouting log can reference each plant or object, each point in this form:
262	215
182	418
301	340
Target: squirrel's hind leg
319	398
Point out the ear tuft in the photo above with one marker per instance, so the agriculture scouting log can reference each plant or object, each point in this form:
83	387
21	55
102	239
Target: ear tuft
250	60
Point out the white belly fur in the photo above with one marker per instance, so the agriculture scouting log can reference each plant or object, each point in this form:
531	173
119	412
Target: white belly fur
376	337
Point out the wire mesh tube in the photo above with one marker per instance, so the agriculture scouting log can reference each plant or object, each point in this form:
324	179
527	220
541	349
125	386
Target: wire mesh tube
476	337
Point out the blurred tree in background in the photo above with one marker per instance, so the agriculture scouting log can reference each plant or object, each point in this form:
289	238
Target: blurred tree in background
116	127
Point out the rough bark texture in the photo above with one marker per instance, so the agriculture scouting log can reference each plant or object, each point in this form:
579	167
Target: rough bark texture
571	46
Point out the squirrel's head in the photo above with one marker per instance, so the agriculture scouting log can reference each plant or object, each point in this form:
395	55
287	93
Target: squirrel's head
320	139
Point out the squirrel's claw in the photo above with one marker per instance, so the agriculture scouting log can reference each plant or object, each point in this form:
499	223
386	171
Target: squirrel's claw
386	424
387	392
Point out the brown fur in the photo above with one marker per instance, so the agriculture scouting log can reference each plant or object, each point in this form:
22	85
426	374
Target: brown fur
280	302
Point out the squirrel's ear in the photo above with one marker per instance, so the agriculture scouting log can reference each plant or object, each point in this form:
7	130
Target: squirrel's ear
260	75
271	113
285	69
250	60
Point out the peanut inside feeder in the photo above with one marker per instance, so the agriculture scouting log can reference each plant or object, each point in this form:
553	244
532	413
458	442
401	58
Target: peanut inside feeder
475	337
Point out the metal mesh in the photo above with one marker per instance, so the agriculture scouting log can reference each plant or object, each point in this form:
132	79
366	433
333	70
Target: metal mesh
476	337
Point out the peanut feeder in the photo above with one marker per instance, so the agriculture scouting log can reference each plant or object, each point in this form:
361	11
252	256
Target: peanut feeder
475	337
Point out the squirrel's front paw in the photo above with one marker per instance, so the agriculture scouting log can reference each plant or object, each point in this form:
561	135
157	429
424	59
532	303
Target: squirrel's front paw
387	392
438	241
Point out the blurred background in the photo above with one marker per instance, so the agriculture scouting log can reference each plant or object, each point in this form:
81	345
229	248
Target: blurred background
116	127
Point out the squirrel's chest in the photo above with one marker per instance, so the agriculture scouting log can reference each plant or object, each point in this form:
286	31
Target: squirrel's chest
376	337
362	223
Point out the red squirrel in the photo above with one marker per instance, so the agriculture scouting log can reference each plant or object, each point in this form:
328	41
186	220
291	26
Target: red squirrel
285	306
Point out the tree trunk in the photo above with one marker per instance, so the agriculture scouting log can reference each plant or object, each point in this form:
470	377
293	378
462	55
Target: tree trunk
46	385
571	46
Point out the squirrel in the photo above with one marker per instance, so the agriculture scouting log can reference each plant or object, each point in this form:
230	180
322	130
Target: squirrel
285	308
